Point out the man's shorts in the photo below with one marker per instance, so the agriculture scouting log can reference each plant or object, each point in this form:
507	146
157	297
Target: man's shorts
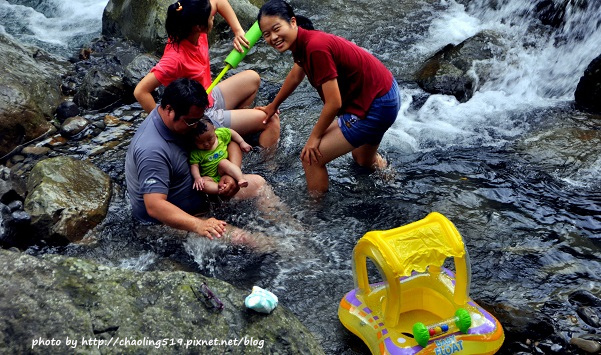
217	113
381	115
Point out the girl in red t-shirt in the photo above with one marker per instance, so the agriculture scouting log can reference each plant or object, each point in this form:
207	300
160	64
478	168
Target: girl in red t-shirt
187	55
355	87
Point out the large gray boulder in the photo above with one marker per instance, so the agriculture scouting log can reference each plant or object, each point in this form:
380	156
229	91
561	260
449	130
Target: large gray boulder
459	70
143	21
67	197
54	298
30	83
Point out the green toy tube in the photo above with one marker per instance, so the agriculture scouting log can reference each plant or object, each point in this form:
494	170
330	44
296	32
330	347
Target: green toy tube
462	321
234	58
252	35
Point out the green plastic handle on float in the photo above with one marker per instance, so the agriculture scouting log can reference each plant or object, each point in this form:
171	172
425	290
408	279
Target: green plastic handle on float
234	58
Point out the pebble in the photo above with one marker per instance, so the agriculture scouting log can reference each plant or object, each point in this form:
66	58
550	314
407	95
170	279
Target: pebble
590	346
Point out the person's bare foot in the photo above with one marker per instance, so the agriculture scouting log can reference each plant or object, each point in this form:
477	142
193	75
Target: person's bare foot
380	162
242	183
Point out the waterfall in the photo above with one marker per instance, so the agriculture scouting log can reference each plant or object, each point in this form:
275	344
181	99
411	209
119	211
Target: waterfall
549	47
58	26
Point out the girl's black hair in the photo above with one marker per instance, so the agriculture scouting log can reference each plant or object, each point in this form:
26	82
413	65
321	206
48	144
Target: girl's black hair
283	10
183	15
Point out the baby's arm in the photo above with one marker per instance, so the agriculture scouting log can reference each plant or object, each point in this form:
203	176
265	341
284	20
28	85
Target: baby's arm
225	9
236	137
198	180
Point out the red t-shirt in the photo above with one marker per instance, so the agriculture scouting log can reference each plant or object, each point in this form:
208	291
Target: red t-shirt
361	76
185	60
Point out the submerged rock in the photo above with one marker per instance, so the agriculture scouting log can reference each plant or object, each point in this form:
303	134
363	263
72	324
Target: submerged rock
59	298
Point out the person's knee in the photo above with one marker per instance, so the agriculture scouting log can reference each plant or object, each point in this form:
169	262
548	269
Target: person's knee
257	180
223	163
274	123
252	77
309	168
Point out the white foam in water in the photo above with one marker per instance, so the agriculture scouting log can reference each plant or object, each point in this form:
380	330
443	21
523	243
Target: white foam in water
203	251
140	263
57	24
539	71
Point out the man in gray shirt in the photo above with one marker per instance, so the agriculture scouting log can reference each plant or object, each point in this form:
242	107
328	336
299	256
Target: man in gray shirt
159	182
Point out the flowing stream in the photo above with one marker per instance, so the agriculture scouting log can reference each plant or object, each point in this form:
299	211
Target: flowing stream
515	168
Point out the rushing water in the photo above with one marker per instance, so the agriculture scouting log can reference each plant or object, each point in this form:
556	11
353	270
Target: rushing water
59	26
515	168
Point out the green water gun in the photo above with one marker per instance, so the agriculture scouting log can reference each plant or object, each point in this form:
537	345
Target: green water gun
234	58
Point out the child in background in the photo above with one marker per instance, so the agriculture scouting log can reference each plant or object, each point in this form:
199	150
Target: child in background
186	55
210	157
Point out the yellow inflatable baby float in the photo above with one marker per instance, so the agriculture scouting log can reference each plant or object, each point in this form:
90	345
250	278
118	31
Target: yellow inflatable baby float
420	306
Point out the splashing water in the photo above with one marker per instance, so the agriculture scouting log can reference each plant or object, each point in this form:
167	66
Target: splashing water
541	70
58	26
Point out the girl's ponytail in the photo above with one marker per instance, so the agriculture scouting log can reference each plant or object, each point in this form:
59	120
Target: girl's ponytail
183	15
304	22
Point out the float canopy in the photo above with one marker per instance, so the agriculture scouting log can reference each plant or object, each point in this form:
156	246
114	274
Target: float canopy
415	246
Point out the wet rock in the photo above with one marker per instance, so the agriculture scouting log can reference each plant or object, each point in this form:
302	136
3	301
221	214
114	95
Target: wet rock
67	197
15	205
584	298
10	189
449	71
14	225
29	92
100	81
73	126
589	316
84	300
138	68
524	326
589	346
33	150
100	90
66	110
69	86
549	346
588	90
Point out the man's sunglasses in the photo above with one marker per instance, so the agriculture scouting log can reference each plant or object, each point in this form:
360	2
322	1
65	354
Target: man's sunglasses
192	121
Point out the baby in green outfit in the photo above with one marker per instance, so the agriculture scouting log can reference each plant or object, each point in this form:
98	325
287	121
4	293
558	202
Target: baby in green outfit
210	157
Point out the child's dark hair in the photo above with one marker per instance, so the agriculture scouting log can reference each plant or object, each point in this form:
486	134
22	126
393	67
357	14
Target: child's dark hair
202	127
182	94
283	10
183	15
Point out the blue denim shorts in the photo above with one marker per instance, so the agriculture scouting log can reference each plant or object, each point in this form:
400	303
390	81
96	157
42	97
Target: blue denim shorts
381	115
